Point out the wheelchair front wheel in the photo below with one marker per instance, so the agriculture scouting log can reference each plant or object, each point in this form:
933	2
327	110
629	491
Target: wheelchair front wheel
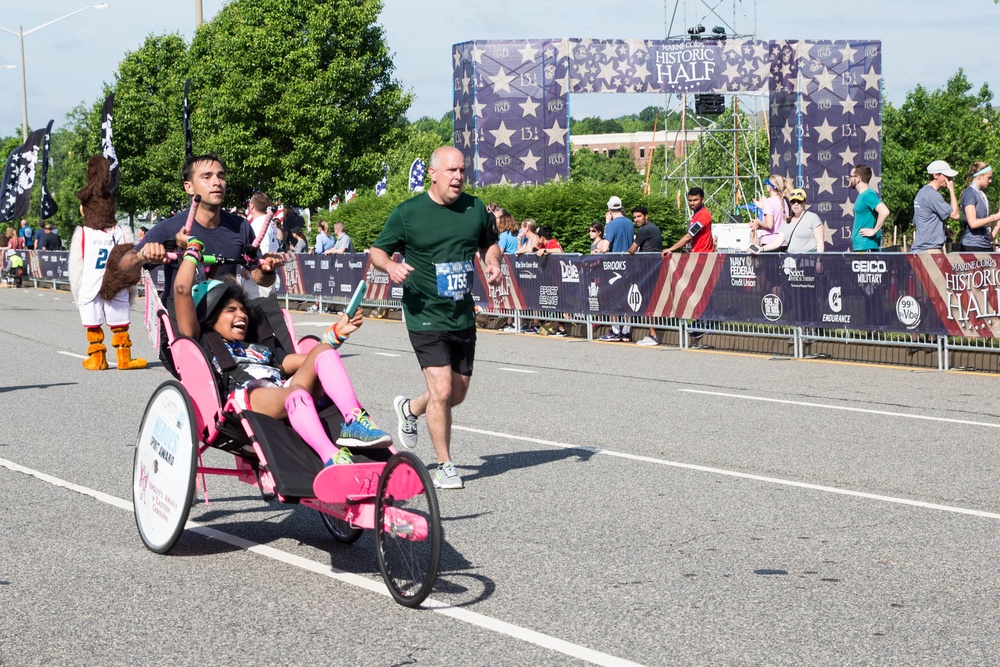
164	467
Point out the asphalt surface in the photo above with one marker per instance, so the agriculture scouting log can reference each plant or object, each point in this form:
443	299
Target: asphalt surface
621	504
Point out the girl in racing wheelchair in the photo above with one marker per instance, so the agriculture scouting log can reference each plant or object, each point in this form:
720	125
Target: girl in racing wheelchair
215	313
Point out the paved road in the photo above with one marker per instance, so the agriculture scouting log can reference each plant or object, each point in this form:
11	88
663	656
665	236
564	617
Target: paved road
623	504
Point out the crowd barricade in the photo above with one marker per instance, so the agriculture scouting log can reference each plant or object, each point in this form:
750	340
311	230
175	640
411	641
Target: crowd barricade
940	302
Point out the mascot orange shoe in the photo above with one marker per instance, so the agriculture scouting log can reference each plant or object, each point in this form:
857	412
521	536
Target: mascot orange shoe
101	288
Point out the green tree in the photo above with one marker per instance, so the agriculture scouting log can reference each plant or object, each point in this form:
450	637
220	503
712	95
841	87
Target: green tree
148	125
598	168
298	96
952	123
442	128
418	144
595	125
68	172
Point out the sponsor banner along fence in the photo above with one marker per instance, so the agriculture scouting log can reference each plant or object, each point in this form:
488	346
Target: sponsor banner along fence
956	294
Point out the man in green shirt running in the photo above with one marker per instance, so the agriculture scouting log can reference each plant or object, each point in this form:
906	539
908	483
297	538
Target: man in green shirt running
439	233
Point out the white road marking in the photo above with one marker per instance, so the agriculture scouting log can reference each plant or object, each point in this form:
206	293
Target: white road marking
111	364
375	586
516	370
386	354
733	473
842	407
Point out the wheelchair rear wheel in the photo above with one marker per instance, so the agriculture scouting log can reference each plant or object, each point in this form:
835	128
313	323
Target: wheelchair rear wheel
340	529
407	529
164	467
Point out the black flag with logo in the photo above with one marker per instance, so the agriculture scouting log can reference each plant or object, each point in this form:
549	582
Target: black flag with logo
19	177
49	206
107	146
188	150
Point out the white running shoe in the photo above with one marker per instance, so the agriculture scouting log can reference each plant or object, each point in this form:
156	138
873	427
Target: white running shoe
407	422
446	477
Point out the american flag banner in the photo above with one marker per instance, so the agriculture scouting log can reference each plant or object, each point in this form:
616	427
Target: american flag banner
107	146
49	207
383	184
506	295
8	187
349	195
379	287
417	171
21	178
960	288
188	144
686	284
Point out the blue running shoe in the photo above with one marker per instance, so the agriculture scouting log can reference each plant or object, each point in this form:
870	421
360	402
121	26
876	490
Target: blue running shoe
343	457
361	432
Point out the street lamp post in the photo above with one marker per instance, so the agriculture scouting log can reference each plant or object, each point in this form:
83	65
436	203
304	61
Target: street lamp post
21	34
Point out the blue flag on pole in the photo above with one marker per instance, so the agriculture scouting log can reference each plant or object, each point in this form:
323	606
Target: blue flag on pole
417	171
382	185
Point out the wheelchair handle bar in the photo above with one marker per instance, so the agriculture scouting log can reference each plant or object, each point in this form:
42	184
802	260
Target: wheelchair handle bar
246	260
191	213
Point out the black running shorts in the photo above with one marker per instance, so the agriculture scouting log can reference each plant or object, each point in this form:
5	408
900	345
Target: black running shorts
446	348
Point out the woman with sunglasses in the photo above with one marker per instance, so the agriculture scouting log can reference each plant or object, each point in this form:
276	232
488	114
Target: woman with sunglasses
598	243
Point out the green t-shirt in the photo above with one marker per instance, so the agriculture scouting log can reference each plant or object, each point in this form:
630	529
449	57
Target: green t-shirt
865	217
429	234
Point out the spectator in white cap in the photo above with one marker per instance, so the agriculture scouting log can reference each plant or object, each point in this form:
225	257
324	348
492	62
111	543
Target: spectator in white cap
618	229
619	233
930	213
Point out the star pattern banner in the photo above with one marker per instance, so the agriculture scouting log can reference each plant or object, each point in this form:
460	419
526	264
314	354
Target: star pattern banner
829	121
8	187
512	111
512	104
19	177
417	172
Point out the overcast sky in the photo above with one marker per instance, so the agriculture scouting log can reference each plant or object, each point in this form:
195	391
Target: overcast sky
924	41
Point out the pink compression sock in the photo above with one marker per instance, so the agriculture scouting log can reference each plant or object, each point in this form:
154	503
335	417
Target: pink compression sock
336	384
303	418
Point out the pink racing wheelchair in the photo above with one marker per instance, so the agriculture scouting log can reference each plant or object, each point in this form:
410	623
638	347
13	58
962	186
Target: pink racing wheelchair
383	490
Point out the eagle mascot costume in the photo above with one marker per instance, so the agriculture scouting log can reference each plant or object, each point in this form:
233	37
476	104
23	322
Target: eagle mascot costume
101	289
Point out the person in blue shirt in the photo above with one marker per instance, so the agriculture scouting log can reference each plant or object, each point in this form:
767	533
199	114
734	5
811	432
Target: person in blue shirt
618	229
27	232
508	229
323	240
619	233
